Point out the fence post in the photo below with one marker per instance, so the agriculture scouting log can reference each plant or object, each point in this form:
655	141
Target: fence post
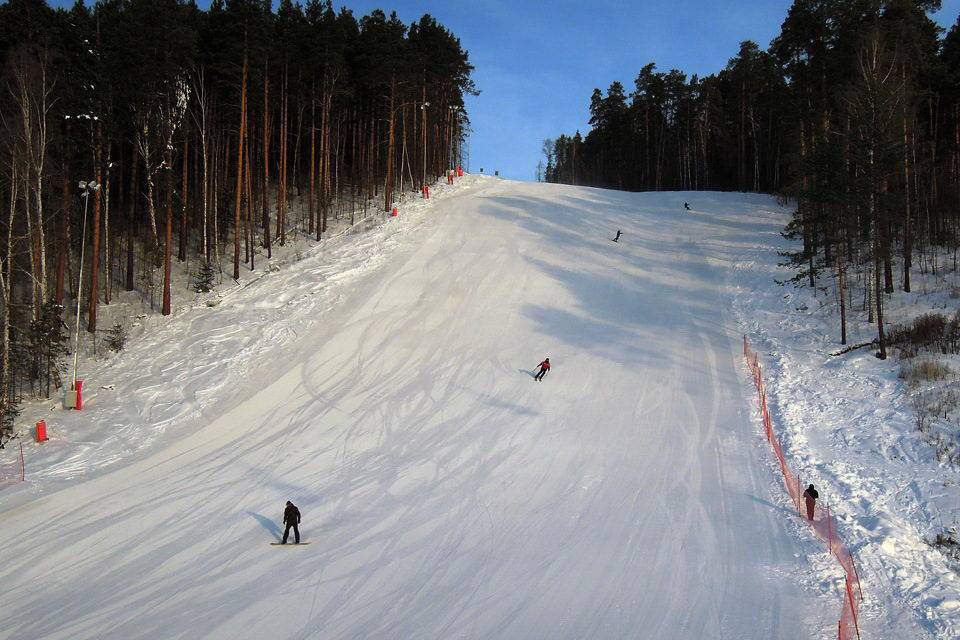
857	576
799	496
21	460
829	529
853	608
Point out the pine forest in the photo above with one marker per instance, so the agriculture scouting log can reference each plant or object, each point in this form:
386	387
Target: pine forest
136	133
852	114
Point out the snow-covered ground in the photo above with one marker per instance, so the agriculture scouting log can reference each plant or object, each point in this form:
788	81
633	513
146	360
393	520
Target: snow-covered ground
848	426
383	384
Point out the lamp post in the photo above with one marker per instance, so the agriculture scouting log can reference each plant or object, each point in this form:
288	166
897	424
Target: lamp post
423	110
87	187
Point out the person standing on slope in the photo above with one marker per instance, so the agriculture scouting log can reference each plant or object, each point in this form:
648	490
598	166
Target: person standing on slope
291	518
544	367
811	496
617	238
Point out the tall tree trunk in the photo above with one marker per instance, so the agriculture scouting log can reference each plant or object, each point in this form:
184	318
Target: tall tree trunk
95	235
325	162
266	164
7	287
249	208
204	144
168	234
388	189
887	260
312	163
184	200
841	282
132	217
62	246
877	256
243	130
907	220
282	203
108	266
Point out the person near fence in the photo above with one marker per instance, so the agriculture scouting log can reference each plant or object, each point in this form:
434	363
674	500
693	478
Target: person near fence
291	518
544	367
810	495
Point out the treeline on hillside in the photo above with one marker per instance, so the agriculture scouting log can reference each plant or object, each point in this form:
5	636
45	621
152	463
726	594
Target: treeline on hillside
140	132
853	112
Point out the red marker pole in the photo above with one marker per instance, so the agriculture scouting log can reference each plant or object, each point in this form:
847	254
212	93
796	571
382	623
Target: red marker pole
78	387
41	431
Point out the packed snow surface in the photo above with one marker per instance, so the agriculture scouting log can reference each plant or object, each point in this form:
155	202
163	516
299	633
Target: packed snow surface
383	383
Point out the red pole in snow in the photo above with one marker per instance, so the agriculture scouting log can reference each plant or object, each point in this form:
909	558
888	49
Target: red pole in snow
856	575
853	608
829	530
799	495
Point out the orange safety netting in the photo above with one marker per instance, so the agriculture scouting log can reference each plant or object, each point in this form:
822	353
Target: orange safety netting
823	522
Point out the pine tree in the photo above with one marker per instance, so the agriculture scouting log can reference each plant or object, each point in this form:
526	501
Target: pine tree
206	275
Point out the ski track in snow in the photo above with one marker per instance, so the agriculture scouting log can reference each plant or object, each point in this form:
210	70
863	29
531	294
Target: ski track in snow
384	384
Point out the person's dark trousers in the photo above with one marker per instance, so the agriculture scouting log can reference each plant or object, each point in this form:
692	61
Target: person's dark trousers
296	534
540	374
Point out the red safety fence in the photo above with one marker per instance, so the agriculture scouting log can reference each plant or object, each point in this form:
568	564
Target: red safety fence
823	522
11	463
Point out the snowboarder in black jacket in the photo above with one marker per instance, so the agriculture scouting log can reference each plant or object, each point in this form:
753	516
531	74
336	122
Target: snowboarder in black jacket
686	205
617	238
811	496
291	518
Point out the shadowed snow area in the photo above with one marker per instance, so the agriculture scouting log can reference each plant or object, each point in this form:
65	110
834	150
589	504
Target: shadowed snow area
446	493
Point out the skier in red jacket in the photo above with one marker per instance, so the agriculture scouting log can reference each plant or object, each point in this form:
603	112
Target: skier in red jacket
544	367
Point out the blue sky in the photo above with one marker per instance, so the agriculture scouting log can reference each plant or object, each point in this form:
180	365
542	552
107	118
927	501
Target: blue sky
538	61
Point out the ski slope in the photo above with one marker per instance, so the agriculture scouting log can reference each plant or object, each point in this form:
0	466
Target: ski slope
446	494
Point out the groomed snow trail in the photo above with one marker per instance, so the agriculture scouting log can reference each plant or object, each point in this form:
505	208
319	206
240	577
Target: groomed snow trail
447	494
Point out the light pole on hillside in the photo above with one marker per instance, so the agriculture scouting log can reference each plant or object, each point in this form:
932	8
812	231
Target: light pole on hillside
88	188
423	110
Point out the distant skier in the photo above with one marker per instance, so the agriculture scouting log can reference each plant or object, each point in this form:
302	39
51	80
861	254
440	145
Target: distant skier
291	518
686	205
811	496
544	367
617	238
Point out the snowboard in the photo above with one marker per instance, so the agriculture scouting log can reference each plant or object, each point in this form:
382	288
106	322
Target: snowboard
289	544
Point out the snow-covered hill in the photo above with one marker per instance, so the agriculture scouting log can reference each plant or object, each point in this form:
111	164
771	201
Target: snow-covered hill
383	384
